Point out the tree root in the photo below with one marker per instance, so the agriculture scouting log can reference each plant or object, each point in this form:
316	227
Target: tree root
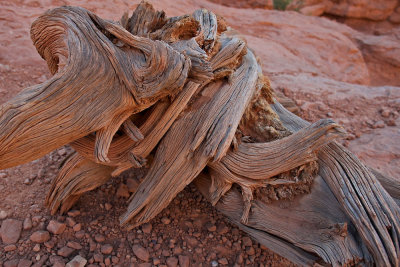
185	96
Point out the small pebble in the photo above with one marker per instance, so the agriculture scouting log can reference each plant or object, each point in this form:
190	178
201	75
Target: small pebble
222	229
65	251
146	228
379	124
56	227
99	238
184	261
165	220
24	263
114	259
391	123
73	213
80	234
98	257
106	249
40	236
50	244
10	231
74	245
223	261
27	224
172	262
11	263
247	241
3	214
211	227
36	248
77	261
9	248
156	261
250	251
141	252
122	191
62	152
70	221
385	112
77	227
132	185
107	206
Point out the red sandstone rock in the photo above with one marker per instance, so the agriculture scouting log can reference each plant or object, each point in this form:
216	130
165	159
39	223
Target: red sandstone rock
141	252
10	231
369	9
106	249
40	236
55	227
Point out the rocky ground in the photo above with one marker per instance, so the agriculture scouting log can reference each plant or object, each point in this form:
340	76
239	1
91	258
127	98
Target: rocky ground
328	68
188	233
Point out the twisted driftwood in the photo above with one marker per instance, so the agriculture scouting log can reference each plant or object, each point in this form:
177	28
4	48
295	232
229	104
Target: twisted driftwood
186	97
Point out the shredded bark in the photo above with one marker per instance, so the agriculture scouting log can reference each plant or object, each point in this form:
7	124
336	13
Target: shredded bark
287	185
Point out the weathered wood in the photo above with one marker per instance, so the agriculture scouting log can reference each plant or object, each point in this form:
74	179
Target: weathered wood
189	90
181	156
314	223
376	218
391	185
88	68
132	131
153	130
253	164
77	176
201	70
144	20
260	161
208	23
370	208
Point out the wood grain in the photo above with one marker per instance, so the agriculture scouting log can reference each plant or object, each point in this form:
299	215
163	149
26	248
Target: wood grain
186	97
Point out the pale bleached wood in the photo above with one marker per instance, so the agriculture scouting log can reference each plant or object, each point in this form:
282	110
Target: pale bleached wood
376	218
208	24
180	157
177	28
88	68
251	165
132	130
121	147
153	129
77	176
229	53
105	135
367	204
189	89
201	70
391	185
159	121
144	20
259	161
299	228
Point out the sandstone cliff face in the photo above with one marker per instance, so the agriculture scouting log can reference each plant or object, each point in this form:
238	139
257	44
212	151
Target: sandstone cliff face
368	9
363	9
328	68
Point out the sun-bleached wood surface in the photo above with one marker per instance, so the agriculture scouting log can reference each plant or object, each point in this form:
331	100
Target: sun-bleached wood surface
185	98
